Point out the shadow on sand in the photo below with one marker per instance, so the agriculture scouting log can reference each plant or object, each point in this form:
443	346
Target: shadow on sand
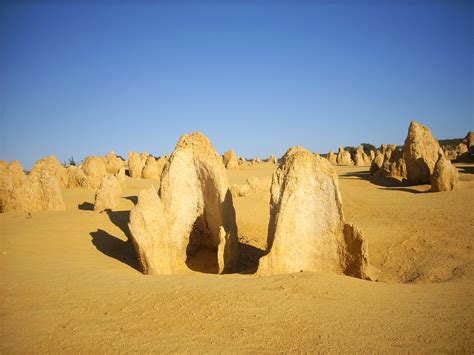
385	183
86	206
249	259
115	248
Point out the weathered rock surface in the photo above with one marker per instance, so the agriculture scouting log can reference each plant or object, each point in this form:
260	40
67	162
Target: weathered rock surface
377	163
108	194
136	163
361	158
53	167
230	160
420	154
307	229
344	157
445	176
94	169
38	192
151	170
113	163
191	216
332	158
76	177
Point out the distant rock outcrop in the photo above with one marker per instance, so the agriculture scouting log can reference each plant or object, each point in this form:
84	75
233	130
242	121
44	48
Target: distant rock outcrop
136	163
113	163
76	177
53	167
151	170
253	185
307	229
192	214
344	157
362	159
108	194
230	160
420	154
94	169
445	176
332	158
273	159
36	192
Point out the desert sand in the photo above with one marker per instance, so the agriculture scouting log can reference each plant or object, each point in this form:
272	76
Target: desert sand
71	280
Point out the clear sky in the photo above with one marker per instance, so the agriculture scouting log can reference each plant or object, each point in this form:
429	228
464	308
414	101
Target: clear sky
83	77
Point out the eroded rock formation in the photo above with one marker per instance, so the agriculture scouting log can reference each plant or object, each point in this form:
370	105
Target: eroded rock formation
420	153
362	159
344	157
136	163
36	192
230	160
307	230
94	169
108	194
190	223
445	176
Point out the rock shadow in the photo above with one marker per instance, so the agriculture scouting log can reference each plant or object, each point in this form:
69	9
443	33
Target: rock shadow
86	206
120	219
115	248
134	199
386	183
249	259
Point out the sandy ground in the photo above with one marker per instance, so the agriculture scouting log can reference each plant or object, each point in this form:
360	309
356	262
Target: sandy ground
70	281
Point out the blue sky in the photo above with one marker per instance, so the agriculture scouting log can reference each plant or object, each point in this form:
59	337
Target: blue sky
82	78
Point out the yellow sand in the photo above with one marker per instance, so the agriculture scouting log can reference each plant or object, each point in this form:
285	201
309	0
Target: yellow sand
70	281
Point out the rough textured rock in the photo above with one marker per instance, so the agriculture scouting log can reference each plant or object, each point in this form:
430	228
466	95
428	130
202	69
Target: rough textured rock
38	192
173	229
445	176
113	163
332	158
136	163
377	163
53	167
12	173
76	177
461	148
372	155
251	186
361	159
470	139
151	170
230	160
420	154
307	229
121	176
393	165
94	169
108	194
344	157
273	159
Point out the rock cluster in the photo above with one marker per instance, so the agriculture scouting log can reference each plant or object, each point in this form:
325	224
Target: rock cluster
252	185
40	191
136	163
344	157
361	158
307	230
191	215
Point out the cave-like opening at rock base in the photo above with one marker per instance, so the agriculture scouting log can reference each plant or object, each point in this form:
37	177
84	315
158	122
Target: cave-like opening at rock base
201	253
